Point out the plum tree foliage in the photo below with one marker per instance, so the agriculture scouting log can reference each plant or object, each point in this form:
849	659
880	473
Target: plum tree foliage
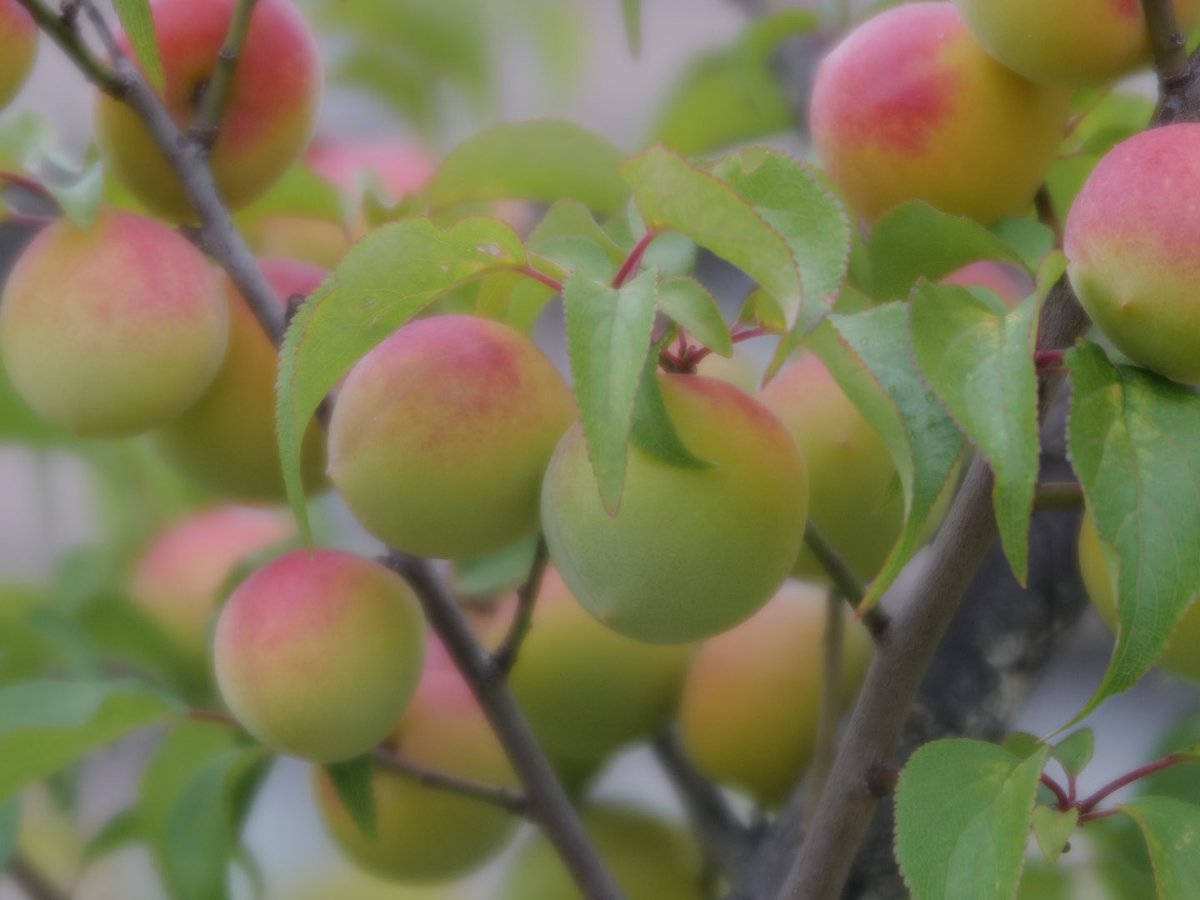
659	541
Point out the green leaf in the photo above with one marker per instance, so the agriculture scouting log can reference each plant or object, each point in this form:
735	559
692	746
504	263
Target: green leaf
568	225
1171	829
916	241
631	12
981	366
540	160
1122	863
1053	828
352	780
80	195
672	194
653	431
1030	240
608	336
870	355
1134	440
138	23
10	827
119	832
688	303
1075	751
46	726
385	280
1044	882
963	812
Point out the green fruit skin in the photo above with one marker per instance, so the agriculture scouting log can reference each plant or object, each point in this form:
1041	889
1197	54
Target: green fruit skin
586	690
441	435
855	498
18	49
650	859
692	551
752	700
425	834
1181	657
318	653
1131	239
113	330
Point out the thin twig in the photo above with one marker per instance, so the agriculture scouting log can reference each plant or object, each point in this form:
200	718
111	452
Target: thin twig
1058	495
1063	798
1170	46
206	127
64	33
505	656
1091	802
32	881
506	798
831	702
849	586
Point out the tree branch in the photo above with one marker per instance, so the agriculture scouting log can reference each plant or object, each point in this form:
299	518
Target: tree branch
507	799
36	885
505	656
1170	47
206	127
831	704
547	802
63	31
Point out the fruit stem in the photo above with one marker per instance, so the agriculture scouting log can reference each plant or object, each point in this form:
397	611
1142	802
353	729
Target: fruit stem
630	266
206	127
505	656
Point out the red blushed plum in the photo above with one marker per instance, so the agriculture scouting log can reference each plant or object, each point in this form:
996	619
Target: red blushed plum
270	113
1009	283
18	48
692	551
1131	240
441	434
910	107
752	699
112	330
1075	43
422	833
399	167
318	653
226	441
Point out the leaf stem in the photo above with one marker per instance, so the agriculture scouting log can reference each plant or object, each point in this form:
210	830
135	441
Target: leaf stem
630	266
530	272
1088	804
1063	798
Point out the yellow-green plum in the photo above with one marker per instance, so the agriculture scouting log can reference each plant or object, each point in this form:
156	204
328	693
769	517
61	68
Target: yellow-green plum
650	858
854	492
177	579
18	48
752	699
441	434
692	551
319	652
318	242
114	329
909	107
1075	43
424	834
226	440
1182	656
268	119
586	690
1131	239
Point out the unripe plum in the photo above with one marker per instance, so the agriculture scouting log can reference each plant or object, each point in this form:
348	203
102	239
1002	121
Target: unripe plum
112	330
586	690
1075	43
752	699
268	119
909	107
441	434
423	833
691	551
651	859
319	652
854	491
1181	657
18	48
1131	239
226	441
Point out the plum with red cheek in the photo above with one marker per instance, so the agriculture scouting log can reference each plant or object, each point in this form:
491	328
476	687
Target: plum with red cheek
18	48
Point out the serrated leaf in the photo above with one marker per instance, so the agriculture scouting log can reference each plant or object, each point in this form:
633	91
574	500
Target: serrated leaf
352	780
540	160
568	232
916	241
963	811
608	336
1053	828
671	194
138	23
1134	440
631	13
1171	829
1022	744
46	726
385	280
688	303
981	366
1075	751
870	356
1029	239
653	431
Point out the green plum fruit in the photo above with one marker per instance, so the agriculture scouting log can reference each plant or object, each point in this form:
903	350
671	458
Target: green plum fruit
268	119
319	652
692	551
909	107
18	48
112	330
752	700
1131	240
226	441
441	434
